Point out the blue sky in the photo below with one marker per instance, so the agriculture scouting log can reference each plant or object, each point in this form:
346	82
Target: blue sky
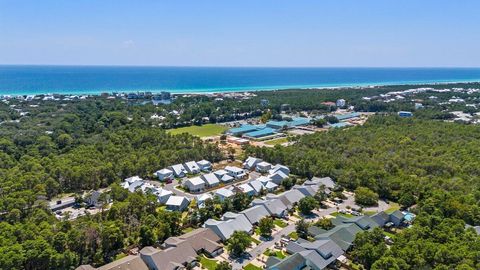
241	33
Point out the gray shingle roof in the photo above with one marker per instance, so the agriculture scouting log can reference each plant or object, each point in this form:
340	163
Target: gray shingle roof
255	213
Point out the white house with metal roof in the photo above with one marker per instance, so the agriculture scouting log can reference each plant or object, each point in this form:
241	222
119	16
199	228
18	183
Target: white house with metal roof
224	193
211	180
205	165
195	184
192	167
251	163
263	167
164	174
177	203
235	172
178	170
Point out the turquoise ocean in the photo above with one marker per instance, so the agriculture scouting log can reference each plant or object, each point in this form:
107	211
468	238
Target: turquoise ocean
16	80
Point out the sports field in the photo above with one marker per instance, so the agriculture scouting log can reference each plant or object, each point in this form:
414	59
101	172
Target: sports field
200	131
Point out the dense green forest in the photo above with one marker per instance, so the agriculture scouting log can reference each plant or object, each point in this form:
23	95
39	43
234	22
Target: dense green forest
431	166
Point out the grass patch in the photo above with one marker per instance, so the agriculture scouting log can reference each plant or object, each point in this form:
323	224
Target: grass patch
393	207
293	235
255	240
119	256
251	267
280	223
369	213
200	131
335	214
277	141
209	264
187	230
389	234
276	253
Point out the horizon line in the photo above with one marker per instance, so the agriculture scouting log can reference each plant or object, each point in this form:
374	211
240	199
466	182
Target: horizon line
227	66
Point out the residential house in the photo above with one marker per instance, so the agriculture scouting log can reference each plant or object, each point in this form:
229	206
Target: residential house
195	184
235	172
178	170
177	203
230	223
263	179
317	255
202	240
270	186
182	256
162	195
263	167
205	165
247	189
93	199
255	213
165	175
278	177
326	182
257	186
132	179
129	262
211	180
251	163
224	193
306	190
223	176
291	197
275	207
279	168
397	218
192	167
202	198
135	185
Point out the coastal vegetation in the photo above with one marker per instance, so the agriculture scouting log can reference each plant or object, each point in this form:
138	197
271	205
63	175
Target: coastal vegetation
68	147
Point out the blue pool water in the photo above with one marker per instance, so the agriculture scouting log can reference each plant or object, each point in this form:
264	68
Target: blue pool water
97	79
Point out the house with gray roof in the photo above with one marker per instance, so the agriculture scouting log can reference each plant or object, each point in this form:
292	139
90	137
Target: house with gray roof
247	189
164	174
195	184
255	213
205	165
224	193
257	186
275	206
177	203
327	182
309	255
178	170
235	172
129	262
202	240
278	177
180	256
162	195
192	167
305	190
202	198
381	218
231	222
270	186
279	168
263	167
291	197
397	217
251	163
135	185
211	180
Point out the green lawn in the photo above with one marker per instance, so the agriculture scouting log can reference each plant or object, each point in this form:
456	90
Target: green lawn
341	214
389	234
280	223
369	213
251	267
277	141
393	208
278	253
200	131
293	235
209	264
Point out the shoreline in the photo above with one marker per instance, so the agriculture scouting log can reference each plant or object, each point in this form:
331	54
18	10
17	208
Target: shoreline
244	89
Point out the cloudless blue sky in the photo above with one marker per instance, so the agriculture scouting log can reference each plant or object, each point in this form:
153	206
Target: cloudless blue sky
241	33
